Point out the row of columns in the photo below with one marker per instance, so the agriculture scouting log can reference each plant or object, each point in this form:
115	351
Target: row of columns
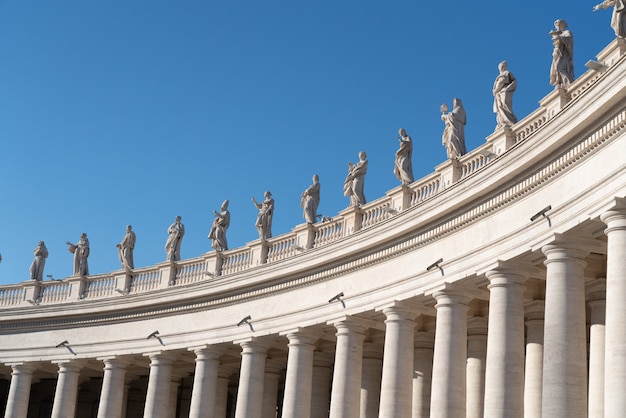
546	377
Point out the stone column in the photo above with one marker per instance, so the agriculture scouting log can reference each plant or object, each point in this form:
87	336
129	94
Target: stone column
615	330
221	395
173	403
66	393
565	333
448	395
299	377
346	388
113	385
371	379
19	391
597	305
204	382
422	376
533	376
271	381
504	373
320	396
397	381
251	376
476	360
158	393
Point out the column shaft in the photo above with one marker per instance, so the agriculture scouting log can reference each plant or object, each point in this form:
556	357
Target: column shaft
422	376
320	396
297	398
371	379
615	330
204	383
448	396
565	333
533	376
596	359
476	363
271	382
397	380
112	392
504	373
158	394
19	391
251	376
346	388
66	393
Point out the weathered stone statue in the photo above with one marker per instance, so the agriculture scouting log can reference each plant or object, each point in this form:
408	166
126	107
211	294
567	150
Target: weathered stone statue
125	249
264	219
36	269
217	235
310	200
354	184
453	137
176	232
562	69
404	164
618	19
81	252
503	88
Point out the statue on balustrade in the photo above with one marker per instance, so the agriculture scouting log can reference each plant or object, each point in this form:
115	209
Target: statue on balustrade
562	69
217	235
404	164
125	249
310	200
618	19
354	184
81	253
264	219
36	269
453	137
503	88
176	232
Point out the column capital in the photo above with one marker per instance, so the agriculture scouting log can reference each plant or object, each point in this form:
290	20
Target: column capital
22	367
564	247
405	309
253	345
300	336
114	362
160	357
507	274
355	324
615	218
69	365
451	296
207	352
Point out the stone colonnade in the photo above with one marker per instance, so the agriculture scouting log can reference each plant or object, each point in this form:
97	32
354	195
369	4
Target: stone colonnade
526	358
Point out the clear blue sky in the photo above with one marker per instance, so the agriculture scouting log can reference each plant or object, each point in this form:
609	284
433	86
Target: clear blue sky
132	112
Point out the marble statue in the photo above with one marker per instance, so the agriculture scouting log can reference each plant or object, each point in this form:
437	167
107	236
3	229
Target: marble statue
453	137
36	269
562	68
503	88
217	235
81	253
125	249
354	184
404	165
618	19
264	219
176	232
310	201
